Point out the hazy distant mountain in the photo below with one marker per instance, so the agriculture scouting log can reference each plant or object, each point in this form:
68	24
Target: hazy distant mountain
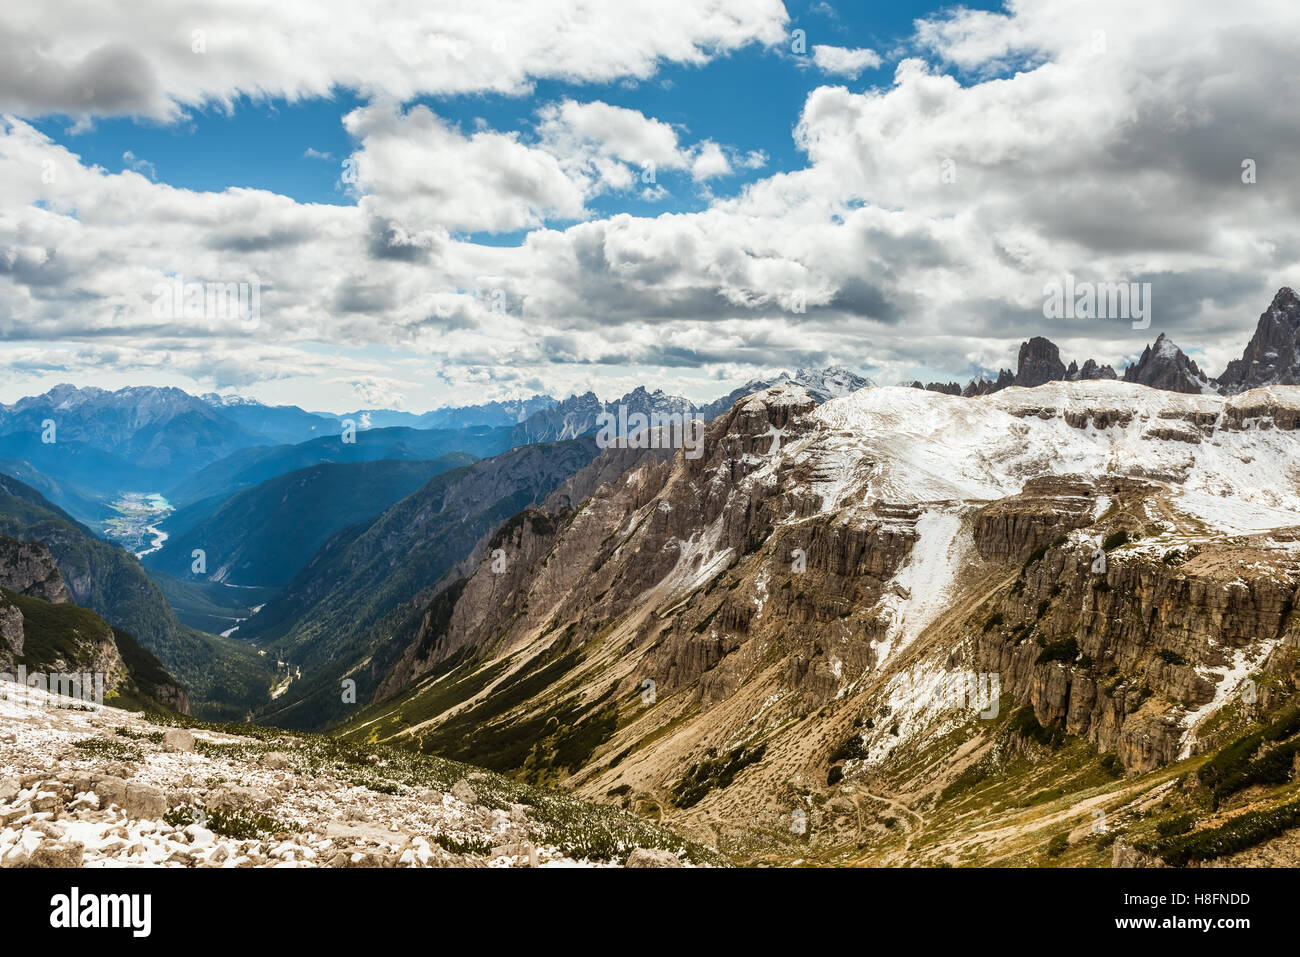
163	431
580	414
500	413
263	535
249	467
509	412
275	424
92	444
83	502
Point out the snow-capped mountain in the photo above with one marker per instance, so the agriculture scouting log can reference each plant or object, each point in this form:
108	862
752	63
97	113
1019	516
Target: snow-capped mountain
579	414
821	385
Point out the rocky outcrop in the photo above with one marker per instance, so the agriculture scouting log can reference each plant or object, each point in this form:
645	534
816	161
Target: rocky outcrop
1090	370
1120	657
984	387
29	569
42	630
1039	361
1272	357
1046	509
1164	366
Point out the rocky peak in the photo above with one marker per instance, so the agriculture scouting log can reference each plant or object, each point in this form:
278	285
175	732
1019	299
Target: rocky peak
1272	357
1039	361
985	386
1090	370
1164	366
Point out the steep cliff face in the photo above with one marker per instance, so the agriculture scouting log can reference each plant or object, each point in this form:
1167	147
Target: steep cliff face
1132	651
779	623
28	568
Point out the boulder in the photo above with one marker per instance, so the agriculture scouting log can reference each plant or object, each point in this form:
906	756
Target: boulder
178	739
57	854
462	792
143	802
653	857
276	760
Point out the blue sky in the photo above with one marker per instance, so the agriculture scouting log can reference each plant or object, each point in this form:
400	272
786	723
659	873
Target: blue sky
749	99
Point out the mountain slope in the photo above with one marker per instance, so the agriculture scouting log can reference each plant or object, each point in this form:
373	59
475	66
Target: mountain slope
355	591
263	535
798	621
80	501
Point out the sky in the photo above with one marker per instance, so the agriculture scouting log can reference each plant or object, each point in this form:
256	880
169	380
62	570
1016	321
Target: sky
432	204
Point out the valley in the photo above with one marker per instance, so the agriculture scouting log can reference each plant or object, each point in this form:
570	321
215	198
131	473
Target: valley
135	522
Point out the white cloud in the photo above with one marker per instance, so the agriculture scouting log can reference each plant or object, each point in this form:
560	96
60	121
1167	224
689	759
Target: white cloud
155	58
709	162
572	128
845	61
141	166
415	168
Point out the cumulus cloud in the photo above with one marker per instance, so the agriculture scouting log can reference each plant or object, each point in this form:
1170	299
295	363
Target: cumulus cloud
412	165
148	58
845	61
709	162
